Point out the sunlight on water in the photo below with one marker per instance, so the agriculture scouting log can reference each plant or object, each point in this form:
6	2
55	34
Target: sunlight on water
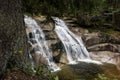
91	61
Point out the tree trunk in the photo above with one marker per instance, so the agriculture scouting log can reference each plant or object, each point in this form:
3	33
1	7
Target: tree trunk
13	45
116	19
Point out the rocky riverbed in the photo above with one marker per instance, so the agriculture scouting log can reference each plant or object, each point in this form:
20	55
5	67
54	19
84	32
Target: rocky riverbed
101	46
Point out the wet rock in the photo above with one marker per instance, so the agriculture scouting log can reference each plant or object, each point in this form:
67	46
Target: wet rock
48	26
63	59
106	56
104	47
60	57
81	71
50	35
97	38
67	73
39	59
88	71
118	48
110	71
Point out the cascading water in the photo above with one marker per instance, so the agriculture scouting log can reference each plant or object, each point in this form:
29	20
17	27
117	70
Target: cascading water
36	38
73	44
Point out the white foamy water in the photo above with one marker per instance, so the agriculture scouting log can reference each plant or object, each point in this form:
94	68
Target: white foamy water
36	38
73	44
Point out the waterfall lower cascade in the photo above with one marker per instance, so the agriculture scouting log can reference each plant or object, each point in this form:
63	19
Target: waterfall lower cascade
73	44
36	38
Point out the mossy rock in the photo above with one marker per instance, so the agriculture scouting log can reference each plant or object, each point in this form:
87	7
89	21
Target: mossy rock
67	73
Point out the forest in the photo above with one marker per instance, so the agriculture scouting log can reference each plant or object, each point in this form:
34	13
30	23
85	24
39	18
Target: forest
59	39
90	10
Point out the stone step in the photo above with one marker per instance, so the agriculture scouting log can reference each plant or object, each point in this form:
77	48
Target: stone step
105	56
97	38
104	47
70	21
71	25
69	18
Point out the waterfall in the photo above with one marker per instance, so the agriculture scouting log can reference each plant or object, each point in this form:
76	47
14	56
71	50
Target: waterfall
73	44
36	38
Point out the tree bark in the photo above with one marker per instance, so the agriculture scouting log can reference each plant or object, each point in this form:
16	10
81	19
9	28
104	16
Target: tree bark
13	40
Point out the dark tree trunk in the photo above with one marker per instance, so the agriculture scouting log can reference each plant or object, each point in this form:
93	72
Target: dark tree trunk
13	45
116	19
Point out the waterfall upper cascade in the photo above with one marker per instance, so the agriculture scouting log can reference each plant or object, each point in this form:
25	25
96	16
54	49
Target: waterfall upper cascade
36	38
73	44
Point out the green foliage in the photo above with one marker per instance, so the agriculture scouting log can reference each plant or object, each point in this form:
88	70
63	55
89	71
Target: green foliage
43	72
103	77
56	78
110	32
61	7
